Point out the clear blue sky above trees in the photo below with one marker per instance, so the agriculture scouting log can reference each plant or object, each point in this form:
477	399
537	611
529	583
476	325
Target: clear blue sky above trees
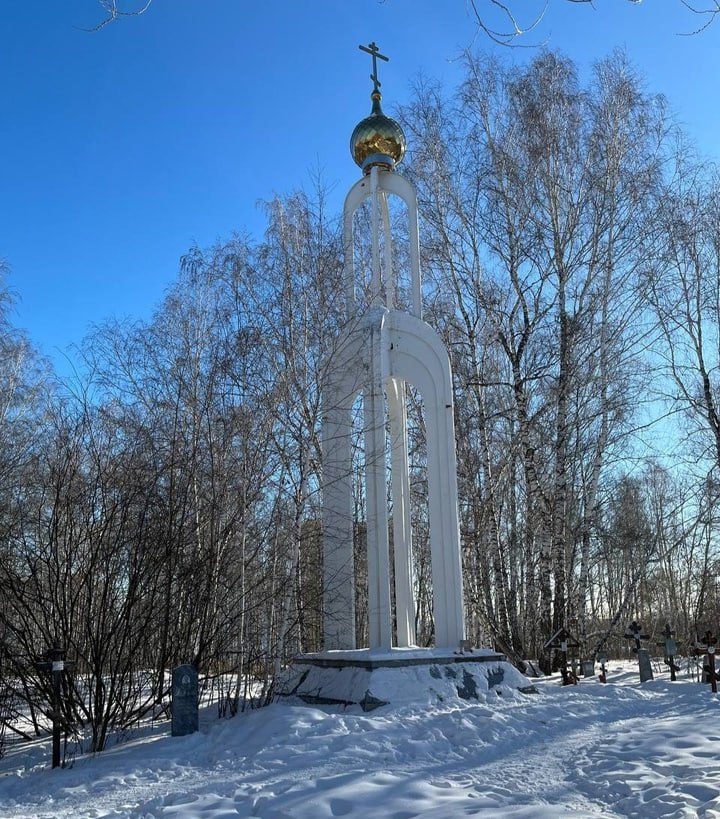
121	148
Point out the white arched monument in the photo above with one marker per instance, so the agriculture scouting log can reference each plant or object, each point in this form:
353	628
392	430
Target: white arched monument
383	349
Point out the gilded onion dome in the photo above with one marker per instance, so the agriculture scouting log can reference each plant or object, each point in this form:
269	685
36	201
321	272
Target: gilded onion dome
377	139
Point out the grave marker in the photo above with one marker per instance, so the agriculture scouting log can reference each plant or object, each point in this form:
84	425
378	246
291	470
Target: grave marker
602	676
184	700
54	662
707	646
634	632
568	646
646	672
670	647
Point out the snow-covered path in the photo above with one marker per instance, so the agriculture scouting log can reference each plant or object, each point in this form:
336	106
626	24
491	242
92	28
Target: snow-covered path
616	750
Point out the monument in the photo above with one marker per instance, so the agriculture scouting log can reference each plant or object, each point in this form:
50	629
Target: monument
184	704
381	350
385	346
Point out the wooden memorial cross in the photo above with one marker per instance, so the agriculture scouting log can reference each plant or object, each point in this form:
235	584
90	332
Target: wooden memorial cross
565	643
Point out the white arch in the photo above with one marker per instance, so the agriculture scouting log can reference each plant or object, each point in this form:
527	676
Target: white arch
419	356
379	184
377	357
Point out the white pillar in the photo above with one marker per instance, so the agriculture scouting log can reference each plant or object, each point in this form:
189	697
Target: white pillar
402	527
378	554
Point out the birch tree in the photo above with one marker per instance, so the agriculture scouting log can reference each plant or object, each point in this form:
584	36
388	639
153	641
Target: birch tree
534	193
682	285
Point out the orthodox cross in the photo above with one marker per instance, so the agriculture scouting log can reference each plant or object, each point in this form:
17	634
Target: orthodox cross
373	50
633	632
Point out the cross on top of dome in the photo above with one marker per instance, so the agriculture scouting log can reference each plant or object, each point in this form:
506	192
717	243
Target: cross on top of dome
377	140
373	50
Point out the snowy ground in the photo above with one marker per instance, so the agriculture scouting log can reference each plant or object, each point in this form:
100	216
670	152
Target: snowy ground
612	750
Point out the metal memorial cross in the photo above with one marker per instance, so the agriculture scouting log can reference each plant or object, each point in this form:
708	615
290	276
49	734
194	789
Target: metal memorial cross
634	632
373	50
707	647
53	662
670	647
602	676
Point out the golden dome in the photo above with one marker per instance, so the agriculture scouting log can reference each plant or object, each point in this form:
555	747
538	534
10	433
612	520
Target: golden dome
377	139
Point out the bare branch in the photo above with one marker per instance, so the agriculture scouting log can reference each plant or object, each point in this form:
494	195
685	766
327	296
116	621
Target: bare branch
710	14
509	35
516	29
114	13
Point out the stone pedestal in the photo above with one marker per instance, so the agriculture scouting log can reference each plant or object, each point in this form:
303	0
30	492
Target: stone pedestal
373	678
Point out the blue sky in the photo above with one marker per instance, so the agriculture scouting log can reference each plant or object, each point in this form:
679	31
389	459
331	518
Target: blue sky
121	148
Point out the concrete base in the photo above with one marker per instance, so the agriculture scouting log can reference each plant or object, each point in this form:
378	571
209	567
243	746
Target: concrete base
372	678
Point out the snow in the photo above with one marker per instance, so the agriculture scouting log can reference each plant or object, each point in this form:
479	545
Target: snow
617	750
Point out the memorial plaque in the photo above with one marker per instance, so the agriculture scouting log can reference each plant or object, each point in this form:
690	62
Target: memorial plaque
184	700
588	668
646	672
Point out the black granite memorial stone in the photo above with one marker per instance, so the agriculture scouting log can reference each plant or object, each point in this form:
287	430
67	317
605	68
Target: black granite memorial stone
184	700
645	665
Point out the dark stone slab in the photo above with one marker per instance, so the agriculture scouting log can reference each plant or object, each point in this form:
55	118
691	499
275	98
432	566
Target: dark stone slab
372	663
588	668
184	700
495	677
370	703
467	690
646	672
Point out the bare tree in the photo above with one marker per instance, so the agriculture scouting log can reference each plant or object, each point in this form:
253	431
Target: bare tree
535	193
683	287
190	390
